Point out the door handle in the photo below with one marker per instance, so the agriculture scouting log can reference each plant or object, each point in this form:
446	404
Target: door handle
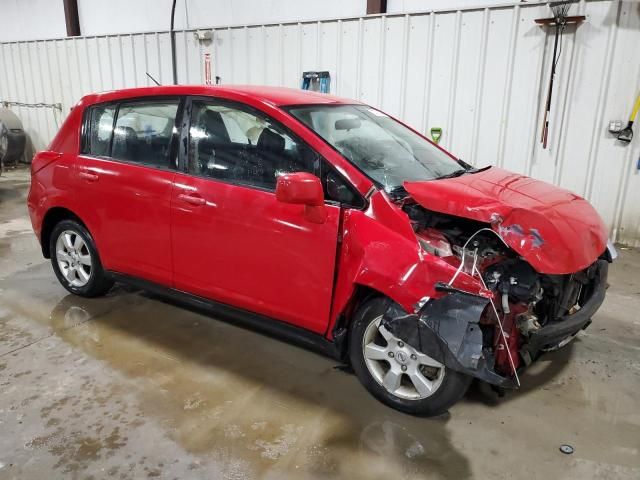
192	199
89	177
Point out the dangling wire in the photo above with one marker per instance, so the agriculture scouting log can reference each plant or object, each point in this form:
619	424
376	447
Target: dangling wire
474	271
504	335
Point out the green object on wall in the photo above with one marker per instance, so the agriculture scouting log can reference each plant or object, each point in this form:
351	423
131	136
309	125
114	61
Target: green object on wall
436	133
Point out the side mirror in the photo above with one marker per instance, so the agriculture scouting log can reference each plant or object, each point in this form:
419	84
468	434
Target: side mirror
302	188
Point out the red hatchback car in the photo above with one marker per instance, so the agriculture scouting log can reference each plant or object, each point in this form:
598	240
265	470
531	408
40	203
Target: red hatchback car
324	220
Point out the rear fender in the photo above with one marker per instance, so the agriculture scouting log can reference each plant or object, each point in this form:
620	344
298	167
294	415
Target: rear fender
53	189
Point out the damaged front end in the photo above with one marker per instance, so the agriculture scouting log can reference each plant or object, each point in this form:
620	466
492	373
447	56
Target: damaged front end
516	313
449	329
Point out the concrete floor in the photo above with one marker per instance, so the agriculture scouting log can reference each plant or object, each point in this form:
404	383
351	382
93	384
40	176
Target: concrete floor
129	386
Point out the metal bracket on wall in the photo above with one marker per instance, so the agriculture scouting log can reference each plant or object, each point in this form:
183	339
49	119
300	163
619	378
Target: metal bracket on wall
567	20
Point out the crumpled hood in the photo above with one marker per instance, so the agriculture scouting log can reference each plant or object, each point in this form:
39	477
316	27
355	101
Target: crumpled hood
556	231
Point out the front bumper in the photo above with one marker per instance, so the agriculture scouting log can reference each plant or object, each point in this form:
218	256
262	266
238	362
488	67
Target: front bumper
557	330
448	330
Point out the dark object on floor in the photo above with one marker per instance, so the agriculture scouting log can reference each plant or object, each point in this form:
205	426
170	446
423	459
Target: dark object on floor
566	449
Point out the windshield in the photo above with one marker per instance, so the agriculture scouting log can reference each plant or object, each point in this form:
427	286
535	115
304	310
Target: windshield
381	147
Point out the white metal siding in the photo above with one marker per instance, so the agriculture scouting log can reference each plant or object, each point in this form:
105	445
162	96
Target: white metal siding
30	19
481	74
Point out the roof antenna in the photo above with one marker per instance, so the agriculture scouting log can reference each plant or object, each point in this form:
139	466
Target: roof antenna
154	80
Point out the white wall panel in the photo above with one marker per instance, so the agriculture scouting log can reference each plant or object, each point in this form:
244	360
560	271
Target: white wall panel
417	65
329	49
391	89
470	52
31	19
370	58
524	94
480	73
400	6
99	17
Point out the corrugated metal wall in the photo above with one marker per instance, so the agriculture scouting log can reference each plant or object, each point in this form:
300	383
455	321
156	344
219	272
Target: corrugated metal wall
480	74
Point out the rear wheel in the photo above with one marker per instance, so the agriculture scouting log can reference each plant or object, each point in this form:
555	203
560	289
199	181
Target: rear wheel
396	373
75	260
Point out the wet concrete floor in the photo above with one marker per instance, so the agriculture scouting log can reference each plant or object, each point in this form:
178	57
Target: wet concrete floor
130	386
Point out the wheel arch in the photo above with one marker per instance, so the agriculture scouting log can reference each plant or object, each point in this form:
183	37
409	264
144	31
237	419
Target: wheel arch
339	331
361	293
54	216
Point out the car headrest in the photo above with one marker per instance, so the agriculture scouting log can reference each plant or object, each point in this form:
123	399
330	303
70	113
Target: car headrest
214	126
271	141
125	134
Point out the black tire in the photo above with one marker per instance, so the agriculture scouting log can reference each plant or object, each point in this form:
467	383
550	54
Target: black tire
99	281
12	138
451	389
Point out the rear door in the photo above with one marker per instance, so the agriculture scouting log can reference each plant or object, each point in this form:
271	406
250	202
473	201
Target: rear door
125	177
232	240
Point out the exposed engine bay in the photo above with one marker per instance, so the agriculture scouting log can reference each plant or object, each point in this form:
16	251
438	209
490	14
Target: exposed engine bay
519	313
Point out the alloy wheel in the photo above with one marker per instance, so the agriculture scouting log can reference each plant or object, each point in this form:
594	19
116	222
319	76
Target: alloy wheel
74	258
401	369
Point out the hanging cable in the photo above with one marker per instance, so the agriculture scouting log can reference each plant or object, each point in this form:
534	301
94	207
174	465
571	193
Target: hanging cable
474	271
56	108
504	336
173	44
9	103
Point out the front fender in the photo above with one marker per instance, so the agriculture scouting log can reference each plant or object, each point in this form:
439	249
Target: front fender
380	251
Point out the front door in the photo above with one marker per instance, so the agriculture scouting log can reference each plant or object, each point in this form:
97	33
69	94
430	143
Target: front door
125	176
232	240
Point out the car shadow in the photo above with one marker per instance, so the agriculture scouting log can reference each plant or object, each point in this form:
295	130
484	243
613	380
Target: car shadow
366	428
532	379
144	337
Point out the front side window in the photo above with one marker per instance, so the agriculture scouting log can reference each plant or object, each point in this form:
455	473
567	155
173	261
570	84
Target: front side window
381	147
238	145
100	130
144	132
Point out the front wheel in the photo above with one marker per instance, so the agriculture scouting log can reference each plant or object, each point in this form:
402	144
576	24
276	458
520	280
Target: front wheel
75	260
396	373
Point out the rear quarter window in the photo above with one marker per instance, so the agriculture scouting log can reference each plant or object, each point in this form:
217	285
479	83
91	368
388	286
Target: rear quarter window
144	132
138	131
99	131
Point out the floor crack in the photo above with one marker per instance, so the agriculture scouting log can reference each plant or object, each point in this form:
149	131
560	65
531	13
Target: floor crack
66	329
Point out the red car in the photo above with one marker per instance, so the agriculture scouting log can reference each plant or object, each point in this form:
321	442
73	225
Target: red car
324	220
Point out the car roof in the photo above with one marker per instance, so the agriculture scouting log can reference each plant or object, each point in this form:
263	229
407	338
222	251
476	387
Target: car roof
277	96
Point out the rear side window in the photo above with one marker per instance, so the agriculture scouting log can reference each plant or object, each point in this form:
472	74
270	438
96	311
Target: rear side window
144	132
239	145
100	129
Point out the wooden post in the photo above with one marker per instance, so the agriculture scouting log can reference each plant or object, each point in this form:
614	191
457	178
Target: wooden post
376	6
71	18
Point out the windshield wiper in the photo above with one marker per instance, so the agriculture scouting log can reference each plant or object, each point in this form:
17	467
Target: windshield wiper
457	173
461	172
